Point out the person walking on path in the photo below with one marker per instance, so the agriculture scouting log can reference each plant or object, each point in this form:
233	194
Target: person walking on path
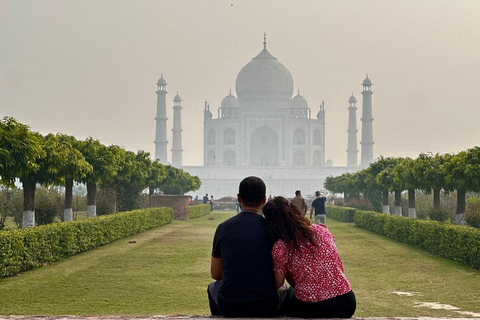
241	263
211	203
306	256
299	202
319	205
205	199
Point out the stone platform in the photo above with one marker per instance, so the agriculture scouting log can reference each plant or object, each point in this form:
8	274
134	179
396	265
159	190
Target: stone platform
180	317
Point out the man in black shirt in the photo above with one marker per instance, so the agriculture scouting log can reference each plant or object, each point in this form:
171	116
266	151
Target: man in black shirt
319	205
241	260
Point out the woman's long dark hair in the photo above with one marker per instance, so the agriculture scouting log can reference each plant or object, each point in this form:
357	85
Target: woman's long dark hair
286	222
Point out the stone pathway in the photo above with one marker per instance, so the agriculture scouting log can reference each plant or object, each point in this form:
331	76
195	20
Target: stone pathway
179	317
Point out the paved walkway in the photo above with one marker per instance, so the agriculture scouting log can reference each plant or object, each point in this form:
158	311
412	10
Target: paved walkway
189	317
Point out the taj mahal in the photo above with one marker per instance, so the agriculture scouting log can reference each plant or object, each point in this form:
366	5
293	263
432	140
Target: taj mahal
265	131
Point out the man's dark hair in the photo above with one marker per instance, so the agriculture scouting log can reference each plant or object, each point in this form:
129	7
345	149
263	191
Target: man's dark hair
252	191
317	193
297	192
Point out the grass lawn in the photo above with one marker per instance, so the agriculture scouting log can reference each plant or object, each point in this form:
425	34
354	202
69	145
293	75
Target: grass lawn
167	270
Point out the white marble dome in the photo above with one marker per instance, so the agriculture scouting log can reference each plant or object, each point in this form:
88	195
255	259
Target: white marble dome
298	102
230	101
264	78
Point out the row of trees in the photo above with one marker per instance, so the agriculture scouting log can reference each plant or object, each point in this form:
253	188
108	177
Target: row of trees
428	173
58	159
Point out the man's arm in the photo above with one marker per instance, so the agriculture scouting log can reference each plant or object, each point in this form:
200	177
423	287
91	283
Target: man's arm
279	279
216	268
311	212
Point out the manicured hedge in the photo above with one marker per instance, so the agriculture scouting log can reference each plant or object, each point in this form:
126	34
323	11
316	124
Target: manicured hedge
453	242
198	210
24	249
340	213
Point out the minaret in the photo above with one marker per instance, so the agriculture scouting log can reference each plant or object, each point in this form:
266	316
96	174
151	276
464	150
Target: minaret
207	116
321	117
367	124
161	122
352	150
177	132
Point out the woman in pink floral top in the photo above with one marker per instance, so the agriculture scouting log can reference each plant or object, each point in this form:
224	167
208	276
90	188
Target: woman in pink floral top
306	256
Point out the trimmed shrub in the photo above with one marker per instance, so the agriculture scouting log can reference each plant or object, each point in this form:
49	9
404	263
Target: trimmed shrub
25	249
472	215
344	214
361	204
438	215
198	211
453	242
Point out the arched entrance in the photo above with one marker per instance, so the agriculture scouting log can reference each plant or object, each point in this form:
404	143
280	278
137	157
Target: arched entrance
264	147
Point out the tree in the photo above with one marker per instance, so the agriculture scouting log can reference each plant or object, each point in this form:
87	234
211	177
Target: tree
429	170
156	174
105	167
49	165
463	173
73	169
404	176
178	182
386	182
21	156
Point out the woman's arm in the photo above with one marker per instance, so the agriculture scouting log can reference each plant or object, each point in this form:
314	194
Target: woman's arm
279	279
290	280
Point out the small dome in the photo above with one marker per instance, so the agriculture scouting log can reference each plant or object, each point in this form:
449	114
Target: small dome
352	99
161	81
177	98
367	81
298	102
230	101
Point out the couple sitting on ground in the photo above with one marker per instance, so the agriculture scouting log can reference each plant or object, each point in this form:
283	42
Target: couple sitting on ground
252	257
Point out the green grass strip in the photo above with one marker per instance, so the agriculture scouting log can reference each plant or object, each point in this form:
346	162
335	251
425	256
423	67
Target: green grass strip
167	271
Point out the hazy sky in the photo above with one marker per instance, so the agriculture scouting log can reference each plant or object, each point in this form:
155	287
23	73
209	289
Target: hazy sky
89	68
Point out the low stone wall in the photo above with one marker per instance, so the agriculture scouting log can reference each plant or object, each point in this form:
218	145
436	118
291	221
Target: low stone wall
178	203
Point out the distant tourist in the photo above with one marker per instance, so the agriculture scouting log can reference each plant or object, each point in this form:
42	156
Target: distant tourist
242	262
270	198
211	203
299	202
319	205
306	256
205	199
196	199
237	205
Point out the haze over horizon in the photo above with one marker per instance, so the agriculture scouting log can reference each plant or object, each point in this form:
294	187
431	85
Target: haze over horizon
89	68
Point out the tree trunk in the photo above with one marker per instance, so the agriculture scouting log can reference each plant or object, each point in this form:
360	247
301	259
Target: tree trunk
436	200
151	192
68	210
461	204
386	206
412	213
398	202
91	199
29	186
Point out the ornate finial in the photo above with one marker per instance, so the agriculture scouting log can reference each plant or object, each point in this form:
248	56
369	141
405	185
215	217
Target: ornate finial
230	91
161	75
298	92
264	41
367	75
